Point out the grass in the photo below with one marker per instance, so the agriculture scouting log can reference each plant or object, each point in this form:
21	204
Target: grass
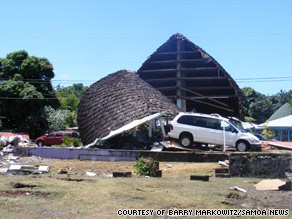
101	197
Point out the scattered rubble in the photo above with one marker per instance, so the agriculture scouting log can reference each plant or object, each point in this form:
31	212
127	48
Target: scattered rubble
224	163
11	139
200	177
27	169
236	188
8	162
62	171
19	185
122	174
168	165
88	173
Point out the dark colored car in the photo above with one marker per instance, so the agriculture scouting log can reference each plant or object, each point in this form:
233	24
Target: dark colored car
262	137
54	138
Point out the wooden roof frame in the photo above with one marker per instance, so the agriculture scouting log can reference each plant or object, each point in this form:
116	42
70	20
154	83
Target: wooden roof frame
181	69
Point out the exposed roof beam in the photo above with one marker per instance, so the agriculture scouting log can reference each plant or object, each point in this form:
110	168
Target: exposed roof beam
175	61
196	88
199	69
209	104
203	78
174	53
159	70
213	97
211	88
186	78
204	96
160	79
182	69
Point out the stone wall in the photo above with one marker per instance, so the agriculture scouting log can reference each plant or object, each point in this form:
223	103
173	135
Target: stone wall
267	165
119	155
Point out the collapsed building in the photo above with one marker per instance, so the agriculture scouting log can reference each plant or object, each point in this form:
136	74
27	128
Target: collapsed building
180	76
117	100
192	79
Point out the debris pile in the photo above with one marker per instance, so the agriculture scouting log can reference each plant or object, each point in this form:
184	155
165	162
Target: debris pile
9	166
9	139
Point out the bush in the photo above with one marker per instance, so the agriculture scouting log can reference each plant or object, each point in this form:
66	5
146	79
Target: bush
67	142
146	167
267	133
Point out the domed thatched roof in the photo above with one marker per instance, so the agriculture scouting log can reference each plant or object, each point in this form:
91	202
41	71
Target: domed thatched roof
117	100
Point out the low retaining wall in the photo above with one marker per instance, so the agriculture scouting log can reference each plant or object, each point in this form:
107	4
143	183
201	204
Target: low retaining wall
118	155
271	165
77	154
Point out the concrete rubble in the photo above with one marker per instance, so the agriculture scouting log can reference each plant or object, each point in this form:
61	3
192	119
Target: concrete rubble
9	164
24	170
15	140
89	173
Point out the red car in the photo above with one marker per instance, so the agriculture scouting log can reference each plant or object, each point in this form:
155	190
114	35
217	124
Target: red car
54	138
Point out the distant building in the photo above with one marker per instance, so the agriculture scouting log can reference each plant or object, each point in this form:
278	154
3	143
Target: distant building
192	79
283	111
282	128
281	123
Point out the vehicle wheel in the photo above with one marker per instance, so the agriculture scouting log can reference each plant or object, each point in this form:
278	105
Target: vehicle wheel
186	140
40	143
242	146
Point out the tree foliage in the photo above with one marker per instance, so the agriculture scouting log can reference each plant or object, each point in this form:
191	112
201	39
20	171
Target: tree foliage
56	119
25	89
69	98
259	107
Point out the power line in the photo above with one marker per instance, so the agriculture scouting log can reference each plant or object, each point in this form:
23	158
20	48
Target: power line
71	80
33	98
144	37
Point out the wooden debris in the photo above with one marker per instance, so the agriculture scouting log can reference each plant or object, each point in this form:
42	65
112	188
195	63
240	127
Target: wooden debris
122	174
200	177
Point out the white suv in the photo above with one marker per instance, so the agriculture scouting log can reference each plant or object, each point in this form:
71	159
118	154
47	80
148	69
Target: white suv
209	129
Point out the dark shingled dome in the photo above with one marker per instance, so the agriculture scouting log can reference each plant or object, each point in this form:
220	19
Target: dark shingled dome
117	100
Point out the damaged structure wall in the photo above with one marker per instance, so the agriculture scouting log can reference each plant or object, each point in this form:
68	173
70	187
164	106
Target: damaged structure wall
117	100
192	79
270	165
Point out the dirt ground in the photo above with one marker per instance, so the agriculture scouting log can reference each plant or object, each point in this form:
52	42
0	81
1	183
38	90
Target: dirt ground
173	190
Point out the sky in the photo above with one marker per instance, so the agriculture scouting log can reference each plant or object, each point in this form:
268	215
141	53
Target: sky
86	40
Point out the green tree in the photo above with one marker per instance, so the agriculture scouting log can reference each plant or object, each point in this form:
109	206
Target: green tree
280	99
57	119
25	89
258	107
69	98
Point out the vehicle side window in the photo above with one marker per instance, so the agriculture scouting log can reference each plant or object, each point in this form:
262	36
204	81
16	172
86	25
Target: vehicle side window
212	123
59	134
74	135
200	122
68	134
187	120
228	127
51	135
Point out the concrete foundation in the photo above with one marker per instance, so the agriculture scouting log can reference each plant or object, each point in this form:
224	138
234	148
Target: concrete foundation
118	155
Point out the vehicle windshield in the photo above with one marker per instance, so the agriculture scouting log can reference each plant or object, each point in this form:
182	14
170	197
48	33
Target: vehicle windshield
261	137
237	126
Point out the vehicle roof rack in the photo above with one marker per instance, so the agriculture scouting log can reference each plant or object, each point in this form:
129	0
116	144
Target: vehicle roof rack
216	114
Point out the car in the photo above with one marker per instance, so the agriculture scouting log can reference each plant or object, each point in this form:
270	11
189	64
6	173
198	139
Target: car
263	138
211	129
54	138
